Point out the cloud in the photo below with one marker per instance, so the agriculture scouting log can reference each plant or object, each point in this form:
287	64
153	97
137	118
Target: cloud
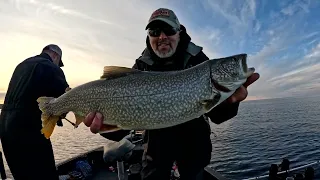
239	15
281	45
300	76
281	38
297	6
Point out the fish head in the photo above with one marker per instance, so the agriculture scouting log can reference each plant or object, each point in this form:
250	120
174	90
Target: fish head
229	73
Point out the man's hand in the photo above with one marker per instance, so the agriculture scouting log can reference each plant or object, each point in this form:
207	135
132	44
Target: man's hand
94	119
242	93
67	89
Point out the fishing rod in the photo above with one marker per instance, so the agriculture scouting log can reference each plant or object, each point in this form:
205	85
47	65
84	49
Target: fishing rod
286	171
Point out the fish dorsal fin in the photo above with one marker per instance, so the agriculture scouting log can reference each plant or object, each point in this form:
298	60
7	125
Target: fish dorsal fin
112	72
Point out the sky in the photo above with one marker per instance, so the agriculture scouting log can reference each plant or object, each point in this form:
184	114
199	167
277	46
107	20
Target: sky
281	38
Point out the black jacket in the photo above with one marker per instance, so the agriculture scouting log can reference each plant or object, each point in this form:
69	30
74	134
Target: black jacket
34	77
187	143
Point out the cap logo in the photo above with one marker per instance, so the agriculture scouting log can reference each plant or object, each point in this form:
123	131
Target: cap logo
160	12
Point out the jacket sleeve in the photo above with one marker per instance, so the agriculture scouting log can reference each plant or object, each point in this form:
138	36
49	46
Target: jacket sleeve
54	81
223	111
57	82
136	66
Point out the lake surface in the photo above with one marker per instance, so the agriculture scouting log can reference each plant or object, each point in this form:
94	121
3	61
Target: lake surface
266	131
263	133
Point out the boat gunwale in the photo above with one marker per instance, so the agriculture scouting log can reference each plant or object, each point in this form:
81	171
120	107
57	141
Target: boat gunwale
82	155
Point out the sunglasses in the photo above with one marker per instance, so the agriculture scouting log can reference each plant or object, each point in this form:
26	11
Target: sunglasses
155	32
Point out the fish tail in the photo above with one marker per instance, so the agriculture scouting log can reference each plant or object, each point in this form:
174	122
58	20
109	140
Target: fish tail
49	120
48	124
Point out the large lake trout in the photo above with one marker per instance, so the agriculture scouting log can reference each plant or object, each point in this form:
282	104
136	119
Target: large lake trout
138	100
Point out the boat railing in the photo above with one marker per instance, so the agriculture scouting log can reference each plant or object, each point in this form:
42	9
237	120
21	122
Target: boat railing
140	140
214	173
79	156
287	171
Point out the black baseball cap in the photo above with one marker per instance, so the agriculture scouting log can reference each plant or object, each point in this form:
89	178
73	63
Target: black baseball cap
55	48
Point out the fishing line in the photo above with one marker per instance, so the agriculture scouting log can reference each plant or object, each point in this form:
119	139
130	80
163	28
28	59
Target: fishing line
74	124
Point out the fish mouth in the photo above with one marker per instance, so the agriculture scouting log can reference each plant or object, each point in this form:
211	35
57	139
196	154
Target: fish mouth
244	66
244	72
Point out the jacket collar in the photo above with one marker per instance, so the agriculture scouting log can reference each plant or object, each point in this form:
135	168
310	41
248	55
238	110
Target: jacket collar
46	56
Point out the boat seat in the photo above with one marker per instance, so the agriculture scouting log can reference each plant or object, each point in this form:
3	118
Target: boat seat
118	151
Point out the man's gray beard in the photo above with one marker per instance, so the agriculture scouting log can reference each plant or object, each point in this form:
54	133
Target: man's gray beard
166	54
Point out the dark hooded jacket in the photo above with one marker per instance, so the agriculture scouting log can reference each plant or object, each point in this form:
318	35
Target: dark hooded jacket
149	61
189	144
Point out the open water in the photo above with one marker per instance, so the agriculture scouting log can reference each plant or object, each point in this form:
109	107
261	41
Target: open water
263	132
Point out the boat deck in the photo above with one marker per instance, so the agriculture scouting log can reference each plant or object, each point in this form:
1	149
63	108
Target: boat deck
101	170
105	174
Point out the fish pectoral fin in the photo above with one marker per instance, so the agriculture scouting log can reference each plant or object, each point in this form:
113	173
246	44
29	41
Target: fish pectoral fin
112	72
79	119
48	124
106	128
209	103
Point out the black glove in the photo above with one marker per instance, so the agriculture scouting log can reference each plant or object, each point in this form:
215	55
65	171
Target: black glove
59	123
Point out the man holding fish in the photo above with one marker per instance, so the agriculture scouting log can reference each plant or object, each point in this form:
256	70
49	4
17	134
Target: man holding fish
169	48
